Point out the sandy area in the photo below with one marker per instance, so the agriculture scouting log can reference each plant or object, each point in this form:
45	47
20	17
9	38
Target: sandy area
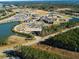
40	12
12	42
16	39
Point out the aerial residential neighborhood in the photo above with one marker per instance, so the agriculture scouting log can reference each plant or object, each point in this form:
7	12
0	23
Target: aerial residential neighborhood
39	29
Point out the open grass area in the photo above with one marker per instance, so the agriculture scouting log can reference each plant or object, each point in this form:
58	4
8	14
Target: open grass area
67	16
62	52
33	53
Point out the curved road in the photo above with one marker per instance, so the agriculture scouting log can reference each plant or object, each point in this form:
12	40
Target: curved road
38	39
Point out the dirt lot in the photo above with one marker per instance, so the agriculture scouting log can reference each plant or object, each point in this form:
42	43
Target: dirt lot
40	12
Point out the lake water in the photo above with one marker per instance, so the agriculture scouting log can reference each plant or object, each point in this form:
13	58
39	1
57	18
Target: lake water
5	29
74	19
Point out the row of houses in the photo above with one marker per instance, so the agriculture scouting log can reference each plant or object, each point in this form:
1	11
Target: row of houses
49	18
46	19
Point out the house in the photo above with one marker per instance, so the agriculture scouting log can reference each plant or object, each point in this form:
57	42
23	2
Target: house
46	19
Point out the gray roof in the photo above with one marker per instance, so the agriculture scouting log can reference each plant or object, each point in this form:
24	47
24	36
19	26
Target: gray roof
47	19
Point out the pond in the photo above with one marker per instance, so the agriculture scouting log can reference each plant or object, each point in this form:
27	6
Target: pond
74	19
6	29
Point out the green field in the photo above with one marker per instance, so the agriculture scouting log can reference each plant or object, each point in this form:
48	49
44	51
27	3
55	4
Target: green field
68	40
33	53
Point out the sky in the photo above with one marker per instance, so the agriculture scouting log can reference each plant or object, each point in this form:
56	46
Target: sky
39	0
